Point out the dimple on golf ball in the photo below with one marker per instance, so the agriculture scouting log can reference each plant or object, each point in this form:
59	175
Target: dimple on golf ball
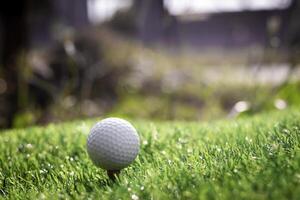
113	144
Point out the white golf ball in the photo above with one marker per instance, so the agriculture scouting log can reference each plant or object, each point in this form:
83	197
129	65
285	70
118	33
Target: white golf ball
113	144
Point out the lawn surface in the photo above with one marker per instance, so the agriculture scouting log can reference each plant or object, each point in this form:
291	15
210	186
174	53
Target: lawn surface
251	158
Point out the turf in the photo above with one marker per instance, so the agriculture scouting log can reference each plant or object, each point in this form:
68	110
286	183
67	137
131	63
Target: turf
248	158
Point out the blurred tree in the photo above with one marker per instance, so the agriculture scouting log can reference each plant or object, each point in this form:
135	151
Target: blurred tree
23	23
148	21
124	22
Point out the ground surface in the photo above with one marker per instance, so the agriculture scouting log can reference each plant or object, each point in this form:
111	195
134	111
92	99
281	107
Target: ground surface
252	158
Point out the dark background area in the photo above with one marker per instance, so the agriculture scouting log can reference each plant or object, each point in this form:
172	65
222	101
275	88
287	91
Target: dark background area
144	62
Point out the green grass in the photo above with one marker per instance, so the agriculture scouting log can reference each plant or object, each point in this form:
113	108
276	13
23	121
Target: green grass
254	157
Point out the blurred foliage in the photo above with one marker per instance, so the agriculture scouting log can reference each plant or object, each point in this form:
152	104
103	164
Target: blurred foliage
66	80
97	72
123	21
106	70
291	93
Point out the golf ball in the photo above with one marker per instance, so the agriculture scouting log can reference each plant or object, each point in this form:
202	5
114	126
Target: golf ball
113	144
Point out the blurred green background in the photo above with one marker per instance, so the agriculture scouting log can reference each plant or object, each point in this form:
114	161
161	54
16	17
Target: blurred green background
154	59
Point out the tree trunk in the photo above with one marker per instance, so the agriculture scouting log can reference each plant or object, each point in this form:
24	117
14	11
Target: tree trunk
150	20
